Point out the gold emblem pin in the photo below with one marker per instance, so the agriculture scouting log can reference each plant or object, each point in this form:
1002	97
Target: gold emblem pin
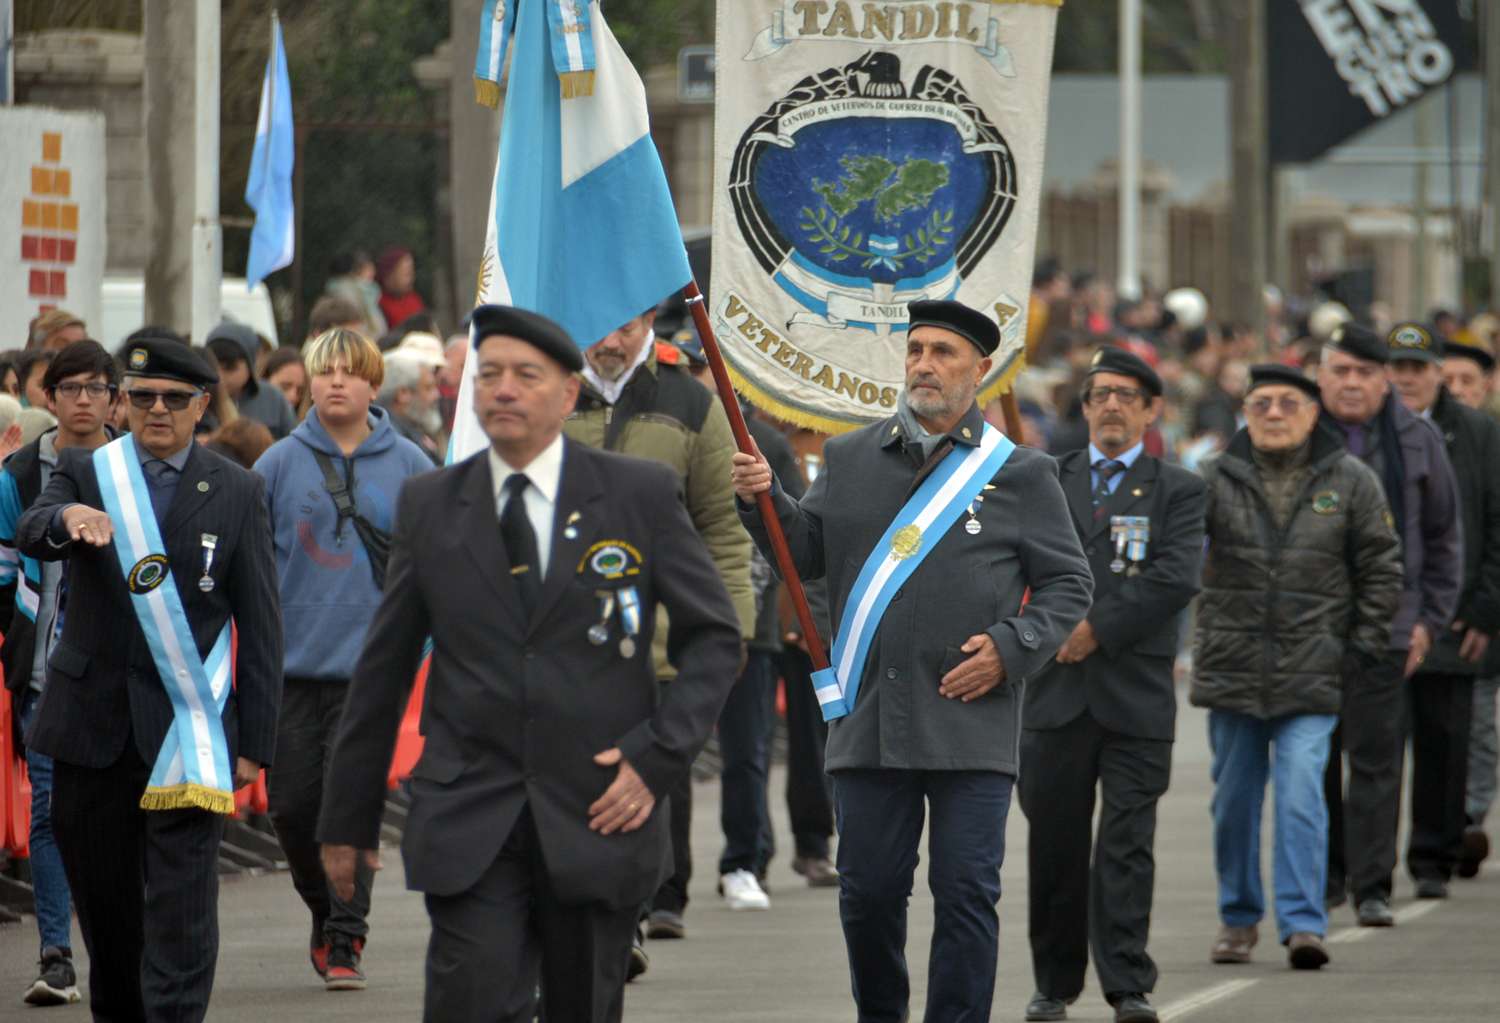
906	542
1137	492
967	433
203	486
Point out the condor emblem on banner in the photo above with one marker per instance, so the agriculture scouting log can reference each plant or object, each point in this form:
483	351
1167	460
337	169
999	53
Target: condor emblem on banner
868	156
859	194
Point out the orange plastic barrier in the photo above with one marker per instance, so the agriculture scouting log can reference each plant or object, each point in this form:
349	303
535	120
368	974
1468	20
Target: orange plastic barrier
15	787
409	739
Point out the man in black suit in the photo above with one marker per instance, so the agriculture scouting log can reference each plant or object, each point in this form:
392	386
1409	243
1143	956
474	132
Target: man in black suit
142	856
532	832
1104	718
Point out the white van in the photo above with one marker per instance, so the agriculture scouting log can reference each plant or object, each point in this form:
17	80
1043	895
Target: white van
123	309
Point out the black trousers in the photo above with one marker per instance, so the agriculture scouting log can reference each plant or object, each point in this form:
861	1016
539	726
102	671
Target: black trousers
146	887
673	893
746	725
295	784
491	944
1439	711
809	797
1362	821
1074	905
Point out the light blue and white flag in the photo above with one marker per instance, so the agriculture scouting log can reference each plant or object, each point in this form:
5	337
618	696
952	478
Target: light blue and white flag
269	190
582	228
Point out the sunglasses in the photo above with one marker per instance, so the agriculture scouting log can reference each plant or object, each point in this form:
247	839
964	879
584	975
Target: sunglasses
175	401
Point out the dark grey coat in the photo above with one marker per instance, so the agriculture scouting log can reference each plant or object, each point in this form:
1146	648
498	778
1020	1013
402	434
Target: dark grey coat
1282	609
967	585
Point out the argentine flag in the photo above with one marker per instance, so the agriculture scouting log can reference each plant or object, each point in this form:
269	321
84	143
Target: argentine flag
581	227
269	190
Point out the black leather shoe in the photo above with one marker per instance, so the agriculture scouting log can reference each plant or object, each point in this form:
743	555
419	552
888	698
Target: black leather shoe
1045	1007
1376	912
1431	888
639	961
1475	848
1132	1008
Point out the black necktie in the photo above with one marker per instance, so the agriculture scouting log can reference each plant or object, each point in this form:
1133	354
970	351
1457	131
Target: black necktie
520	542
1107	469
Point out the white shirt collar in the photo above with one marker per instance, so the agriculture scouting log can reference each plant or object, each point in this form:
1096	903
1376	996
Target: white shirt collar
544	472
610	390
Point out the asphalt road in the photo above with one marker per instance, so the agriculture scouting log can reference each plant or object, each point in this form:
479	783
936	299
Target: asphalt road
1440	963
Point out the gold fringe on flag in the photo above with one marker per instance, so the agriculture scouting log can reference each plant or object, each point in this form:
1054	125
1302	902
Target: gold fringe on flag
577	84
487	93
188	796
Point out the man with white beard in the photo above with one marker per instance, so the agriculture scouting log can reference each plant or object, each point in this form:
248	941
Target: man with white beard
631	404
410	395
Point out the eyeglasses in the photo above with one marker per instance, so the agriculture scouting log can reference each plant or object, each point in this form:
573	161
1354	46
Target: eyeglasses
72	389
1101	395
1288	405
175	401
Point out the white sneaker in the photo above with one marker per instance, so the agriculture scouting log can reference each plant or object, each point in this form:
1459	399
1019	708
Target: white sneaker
743	891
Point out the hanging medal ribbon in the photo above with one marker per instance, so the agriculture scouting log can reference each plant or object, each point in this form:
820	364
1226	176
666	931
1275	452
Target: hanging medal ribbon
630	620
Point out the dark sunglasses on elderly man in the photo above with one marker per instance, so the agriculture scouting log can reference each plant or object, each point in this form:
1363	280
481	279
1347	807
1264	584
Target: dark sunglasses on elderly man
145	399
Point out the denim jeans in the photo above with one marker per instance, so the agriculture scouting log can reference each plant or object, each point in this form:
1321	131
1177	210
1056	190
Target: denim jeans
1480	793
49	884
880	816
1293	751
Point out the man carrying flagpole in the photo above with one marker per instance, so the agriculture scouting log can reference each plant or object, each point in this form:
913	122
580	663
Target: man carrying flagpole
930	528
166	544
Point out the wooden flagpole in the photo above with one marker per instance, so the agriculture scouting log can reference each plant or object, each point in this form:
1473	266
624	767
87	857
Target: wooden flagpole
731	403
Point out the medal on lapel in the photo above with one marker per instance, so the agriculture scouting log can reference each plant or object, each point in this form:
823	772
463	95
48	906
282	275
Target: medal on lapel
630	620
599	631
1119	539
1129	533
210	542
973	526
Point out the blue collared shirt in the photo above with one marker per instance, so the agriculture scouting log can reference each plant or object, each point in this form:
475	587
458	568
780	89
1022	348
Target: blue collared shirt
1127	459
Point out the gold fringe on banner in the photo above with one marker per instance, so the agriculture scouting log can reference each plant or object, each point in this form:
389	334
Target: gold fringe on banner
487	93
1033	3
188	796
576	84
774	406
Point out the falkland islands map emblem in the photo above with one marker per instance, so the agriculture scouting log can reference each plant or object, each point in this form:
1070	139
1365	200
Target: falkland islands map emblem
909	169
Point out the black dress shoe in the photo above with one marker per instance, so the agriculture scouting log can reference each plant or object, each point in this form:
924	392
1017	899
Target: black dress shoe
1376	912
1132	1007
1432	888
639	961
1475	848
1045	1007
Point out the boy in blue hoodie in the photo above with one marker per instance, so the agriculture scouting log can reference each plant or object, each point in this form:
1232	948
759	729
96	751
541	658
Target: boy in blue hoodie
331	487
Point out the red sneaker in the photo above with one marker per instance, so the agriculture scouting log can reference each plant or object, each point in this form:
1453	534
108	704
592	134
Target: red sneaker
317	952
343	973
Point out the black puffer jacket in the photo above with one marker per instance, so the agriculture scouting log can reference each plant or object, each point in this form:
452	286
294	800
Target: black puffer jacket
1282	609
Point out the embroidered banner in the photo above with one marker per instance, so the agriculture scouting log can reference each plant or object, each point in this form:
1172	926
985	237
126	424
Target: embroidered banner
869	155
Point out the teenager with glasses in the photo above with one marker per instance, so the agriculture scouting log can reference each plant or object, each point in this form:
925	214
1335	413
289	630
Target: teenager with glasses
81	384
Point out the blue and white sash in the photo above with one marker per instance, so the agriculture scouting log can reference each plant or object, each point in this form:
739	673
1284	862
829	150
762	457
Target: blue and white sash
192	769
918	527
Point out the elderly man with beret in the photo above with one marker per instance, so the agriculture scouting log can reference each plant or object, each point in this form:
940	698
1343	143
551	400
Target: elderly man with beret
1467	374
1301	579
536	567
1104	718
166	544
930	528
1440	696
1406	452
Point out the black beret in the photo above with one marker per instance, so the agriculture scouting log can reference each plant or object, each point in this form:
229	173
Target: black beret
533	328
970	324
1412	342
1267	373
1457	349
167	359
1127	364
1360	342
